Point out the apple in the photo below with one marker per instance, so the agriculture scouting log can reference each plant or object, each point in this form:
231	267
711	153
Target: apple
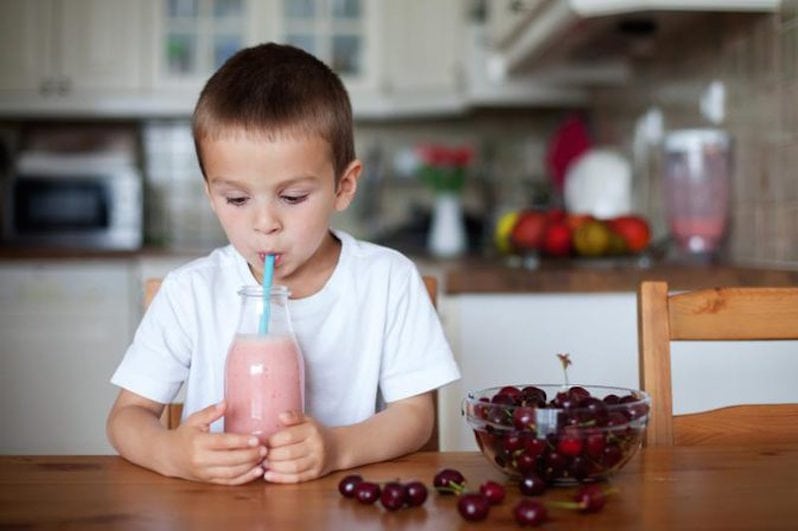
574	221
555	215
633	229
557	239
527	233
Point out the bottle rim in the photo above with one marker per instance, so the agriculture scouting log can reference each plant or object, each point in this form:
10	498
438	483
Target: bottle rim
257	291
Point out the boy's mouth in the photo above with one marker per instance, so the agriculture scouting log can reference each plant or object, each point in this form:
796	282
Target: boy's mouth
277	258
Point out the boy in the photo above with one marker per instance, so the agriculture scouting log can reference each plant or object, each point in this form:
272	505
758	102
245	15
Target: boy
273	134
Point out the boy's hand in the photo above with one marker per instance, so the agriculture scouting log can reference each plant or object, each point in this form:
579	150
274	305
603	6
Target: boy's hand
223	458
302	451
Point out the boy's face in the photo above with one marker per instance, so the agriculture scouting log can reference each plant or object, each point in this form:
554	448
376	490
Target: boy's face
277	197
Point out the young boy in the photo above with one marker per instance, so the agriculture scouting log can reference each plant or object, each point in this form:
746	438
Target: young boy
273	134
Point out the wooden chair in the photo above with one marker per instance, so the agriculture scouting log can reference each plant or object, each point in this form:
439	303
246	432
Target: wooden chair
173	412
732	313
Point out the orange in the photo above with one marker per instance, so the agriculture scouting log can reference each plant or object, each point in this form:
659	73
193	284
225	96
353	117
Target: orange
592	238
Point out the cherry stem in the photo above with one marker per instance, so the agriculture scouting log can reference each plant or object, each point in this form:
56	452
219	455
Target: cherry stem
454	488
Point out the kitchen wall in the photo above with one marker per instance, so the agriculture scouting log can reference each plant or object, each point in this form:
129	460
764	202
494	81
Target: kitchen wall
508	169
757	60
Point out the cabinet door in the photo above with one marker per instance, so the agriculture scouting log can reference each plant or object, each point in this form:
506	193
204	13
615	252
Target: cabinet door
25	41
195	37
341	33
423	45
99	44
64	329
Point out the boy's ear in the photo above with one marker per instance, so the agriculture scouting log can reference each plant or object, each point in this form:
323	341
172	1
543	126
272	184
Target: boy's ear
347	185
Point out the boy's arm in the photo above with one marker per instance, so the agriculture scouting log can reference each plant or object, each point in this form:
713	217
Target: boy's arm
190	451
402	427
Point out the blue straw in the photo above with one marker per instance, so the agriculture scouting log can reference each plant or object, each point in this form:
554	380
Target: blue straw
268	273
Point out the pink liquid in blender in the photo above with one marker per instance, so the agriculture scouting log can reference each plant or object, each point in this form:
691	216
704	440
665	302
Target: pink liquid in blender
264	377
697	188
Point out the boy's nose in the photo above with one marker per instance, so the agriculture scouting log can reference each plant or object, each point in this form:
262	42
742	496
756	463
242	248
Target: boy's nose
265	221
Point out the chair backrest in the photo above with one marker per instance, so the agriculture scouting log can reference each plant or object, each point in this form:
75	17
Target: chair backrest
172	412
733	313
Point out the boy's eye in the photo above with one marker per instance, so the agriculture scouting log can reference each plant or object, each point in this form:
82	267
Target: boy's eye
236	201
294	199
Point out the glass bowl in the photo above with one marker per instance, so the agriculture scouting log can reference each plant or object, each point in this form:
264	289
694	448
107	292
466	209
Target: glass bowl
565	434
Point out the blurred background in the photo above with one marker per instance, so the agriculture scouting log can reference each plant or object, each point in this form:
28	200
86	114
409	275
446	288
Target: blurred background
85	77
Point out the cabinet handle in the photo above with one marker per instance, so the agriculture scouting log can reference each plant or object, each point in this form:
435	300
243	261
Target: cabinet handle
64	86
47	85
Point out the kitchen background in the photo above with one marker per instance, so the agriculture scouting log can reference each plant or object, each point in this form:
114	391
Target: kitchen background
91	75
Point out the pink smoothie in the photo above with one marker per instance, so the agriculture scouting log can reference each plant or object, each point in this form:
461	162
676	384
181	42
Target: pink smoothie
264	377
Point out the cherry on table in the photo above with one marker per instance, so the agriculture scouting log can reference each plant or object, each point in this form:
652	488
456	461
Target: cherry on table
530	512
473	506
393	496
591	498
449	481
367	492
347	485
415	493
493	491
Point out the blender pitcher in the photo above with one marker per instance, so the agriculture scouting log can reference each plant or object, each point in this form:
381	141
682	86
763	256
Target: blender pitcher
697	174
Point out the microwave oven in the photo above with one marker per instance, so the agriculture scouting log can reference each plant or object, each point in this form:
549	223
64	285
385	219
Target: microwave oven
80	201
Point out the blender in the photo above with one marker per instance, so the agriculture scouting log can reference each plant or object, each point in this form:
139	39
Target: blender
696	185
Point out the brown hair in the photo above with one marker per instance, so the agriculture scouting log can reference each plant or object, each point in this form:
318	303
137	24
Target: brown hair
276	91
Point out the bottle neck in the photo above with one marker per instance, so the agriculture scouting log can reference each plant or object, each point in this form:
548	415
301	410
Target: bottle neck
264	315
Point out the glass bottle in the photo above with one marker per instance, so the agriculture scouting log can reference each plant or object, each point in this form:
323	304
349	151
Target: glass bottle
264	372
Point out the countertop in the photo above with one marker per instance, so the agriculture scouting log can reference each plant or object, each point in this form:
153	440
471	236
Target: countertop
582	277
482	275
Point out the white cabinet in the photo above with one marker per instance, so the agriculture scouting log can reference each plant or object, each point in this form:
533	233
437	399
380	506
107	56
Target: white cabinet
422	48
64	327
193	38
504	339
55	48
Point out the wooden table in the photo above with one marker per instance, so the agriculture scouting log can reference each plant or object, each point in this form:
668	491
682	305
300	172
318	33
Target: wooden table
681	488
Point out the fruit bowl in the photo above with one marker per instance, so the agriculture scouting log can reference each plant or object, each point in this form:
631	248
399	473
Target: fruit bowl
564	434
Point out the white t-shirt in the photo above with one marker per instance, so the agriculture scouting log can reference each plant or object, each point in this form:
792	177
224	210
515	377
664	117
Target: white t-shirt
370	334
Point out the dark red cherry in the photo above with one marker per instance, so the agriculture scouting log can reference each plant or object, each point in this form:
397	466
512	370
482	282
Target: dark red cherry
591	498
611	399
449	481
526	461
578	393
367	492
534	446
513	392
347	485
473	506
530	513
594	444
534	396
493	491
393	496
415	493
524	418
570	443
531	485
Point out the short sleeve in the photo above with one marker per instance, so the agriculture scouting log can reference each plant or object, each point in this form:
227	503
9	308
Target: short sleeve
157	362
416	358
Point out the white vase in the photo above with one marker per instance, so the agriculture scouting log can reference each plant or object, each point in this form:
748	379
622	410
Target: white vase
447	235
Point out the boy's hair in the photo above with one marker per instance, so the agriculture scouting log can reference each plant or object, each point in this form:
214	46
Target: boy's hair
276	91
